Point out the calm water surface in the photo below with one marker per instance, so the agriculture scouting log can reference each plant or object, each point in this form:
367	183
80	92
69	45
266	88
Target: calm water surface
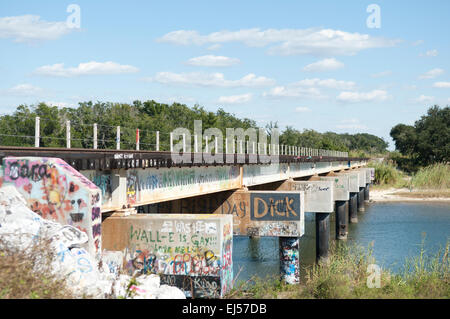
397	231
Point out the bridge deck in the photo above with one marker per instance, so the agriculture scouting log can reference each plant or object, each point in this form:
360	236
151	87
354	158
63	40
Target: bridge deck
82	159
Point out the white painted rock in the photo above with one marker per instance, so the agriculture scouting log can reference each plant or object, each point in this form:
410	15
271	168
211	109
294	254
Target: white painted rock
149	288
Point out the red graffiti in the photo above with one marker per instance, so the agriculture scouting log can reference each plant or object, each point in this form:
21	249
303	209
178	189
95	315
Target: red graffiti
73	188
28	188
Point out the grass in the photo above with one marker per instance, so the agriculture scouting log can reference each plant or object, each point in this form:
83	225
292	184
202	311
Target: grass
387	175
26	274
436	176
346	276
430	181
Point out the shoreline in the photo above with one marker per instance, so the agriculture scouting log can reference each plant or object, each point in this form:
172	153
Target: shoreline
405	195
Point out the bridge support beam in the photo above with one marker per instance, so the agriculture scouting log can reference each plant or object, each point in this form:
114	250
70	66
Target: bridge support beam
353	208
361	207
322	237
341	220
347	207
289	259
366	193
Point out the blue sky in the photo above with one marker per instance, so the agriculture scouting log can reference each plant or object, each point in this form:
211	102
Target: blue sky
311	65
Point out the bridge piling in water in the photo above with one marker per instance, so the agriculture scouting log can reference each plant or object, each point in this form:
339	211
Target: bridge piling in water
353	208
361	207
341	220
322	237
366	193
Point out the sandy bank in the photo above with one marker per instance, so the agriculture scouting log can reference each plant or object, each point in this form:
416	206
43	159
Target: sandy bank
404	194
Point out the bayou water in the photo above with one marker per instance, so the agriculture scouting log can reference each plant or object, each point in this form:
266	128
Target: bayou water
397	231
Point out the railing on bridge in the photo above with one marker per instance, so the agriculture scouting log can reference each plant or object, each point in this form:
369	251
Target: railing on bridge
233	146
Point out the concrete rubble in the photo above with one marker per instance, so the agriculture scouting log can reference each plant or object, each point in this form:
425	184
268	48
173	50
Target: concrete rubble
20	228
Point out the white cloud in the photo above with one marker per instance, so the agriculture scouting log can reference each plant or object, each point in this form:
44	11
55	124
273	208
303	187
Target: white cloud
410	87
424	99
302	109
430	53
442	85
30	28
235	99
213	60
313	41
431	74
418	42
326	83
214	47
381	74
324	65
309	88
61	104
89	68
180	99
210	79
294	92
352	124
355	97
24	90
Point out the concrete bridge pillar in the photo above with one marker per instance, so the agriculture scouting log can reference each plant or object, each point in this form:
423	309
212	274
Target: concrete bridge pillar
119	187
361	207
347	205
341	220
353	208
322	237
366	193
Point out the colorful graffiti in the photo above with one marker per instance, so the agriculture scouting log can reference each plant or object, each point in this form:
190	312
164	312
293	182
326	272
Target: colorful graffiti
179	245
56	191
289	258
104	183
151	184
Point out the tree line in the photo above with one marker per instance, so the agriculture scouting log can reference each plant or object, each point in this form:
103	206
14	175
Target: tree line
424	143
17	129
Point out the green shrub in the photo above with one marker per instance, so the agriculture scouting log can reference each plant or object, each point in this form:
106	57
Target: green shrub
387	174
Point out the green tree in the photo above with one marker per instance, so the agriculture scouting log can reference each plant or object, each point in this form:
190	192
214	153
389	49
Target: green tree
428	141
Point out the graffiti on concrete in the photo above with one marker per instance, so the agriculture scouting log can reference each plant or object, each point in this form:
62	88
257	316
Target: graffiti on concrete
274	206
164	183
56	191
199	247
271	214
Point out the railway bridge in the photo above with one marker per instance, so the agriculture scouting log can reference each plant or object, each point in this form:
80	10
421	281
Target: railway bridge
175	213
